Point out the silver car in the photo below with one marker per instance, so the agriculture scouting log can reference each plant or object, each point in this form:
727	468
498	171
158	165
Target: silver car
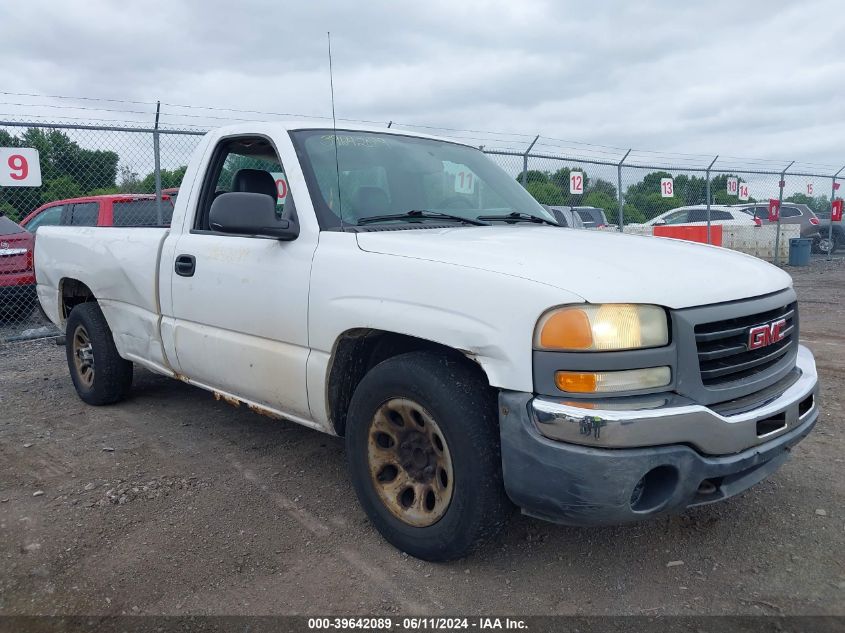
790	213
566	216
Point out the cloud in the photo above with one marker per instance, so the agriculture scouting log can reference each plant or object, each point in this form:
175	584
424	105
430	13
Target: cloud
758	78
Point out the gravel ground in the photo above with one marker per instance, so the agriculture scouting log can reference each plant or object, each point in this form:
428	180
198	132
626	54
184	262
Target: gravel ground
174	503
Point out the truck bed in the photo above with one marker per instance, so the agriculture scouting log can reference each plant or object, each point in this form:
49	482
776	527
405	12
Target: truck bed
120	267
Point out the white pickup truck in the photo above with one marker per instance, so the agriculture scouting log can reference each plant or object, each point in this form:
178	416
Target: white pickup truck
406	293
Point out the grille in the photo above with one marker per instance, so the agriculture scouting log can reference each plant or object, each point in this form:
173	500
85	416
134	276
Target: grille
723	354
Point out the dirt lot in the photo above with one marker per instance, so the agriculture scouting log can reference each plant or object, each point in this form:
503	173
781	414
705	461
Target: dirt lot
173	503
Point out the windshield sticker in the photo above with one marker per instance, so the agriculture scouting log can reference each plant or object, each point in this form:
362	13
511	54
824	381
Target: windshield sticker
366	142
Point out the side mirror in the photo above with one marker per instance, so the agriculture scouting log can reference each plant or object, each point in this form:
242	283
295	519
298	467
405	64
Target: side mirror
254	214
659	222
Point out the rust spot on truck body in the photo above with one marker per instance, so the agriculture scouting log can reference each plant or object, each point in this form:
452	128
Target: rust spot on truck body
235	402
229	399
263	411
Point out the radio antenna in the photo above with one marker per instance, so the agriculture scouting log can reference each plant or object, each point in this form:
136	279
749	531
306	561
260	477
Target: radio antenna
334	132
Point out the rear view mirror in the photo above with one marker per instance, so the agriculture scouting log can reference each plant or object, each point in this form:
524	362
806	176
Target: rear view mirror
254	214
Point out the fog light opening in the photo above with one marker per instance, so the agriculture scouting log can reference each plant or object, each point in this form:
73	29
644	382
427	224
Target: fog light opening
805	406
654	489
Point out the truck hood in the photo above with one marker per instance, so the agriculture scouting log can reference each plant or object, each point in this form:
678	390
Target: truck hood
599	266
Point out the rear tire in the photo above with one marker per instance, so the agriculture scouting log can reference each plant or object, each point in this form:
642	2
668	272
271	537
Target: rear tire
99	374
422	443
826	246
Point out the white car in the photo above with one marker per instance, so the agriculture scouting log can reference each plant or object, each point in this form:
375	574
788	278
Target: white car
696	215
408	294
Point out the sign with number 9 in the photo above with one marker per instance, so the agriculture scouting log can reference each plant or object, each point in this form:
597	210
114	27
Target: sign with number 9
19	167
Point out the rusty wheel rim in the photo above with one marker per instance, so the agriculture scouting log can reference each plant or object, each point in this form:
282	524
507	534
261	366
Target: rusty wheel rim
83	356
410	464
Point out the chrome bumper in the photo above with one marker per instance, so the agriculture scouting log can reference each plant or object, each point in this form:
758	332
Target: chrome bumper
679	422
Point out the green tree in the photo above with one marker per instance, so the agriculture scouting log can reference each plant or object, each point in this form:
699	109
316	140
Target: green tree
644	201
560	179
534	175
602	186
819	204
545	193
602	200
60	188
168	179
67	169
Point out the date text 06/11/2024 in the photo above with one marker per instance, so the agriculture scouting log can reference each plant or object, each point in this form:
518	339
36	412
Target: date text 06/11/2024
418	623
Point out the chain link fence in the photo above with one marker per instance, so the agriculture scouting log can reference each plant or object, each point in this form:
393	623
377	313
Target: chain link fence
105	175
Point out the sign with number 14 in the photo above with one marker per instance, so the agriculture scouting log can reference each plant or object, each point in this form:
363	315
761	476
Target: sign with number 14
19	167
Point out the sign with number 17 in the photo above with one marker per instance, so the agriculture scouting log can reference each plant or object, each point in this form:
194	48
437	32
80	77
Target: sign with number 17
19	167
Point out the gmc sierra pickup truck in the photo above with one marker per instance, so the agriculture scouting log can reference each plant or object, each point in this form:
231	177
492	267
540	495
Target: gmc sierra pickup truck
404	292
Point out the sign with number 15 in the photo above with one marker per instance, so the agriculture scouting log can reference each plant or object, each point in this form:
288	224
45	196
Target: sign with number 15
19	167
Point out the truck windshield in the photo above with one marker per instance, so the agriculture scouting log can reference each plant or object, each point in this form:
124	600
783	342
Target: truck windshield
389	175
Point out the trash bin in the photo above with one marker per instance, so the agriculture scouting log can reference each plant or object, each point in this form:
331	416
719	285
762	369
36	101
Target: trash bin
799	251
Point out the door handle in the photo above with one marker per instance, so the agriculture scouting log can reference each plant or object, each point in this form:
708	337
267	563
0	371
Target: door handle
186	265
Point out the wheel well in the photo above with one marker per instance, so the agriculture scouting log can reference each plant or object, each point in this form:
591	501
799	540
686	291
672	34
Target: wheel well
74	292
358	351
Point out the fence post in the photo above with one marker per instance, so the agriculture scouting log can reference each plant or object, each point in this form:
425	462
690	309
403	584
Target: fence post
781	185
709	167
525	161
157	160
830	224
619	191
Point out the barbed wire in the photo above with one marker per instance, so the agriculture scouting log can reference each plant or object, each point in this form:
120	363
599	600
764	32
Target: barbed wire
504	140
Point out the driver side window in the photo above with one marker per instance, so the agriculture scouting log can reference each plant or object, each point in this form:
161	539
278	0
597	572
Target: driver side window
245	164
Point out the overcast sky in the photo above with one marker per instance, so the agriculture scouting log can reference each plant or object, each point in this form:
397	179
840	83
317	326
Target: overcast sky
753	78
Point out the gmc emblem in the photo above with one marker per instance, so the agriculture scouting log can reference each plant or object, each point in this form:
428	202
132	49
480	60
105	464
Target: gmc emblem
765	335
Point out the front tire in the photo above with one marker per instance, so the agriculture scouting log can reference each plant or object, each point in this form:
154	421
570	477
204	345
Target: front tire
99	374
422	442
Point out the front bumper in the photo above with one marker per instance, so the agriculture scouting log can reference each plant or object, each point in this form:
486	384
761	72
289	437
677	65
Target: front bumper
618	466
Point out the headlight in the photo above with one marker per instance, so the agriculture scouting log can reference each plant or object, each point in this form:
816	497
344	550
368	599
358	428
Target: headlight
612	381
603	327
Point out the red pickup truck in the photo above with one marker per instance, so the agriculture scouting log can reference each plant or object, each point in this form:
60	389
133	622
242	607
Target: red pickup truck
17	277
109	210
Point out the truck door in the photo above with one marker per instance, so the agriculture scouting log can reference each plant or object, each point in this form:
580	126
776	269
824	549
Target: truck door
240	303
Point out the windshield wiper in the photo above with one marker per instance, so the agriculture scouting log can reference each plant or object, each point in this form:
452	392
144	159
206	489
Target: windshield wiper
517	216
417	214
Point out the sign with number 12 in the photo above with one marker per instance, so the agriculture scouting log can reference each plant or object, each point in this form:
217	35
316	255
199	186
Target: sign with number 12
576	182
19	167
